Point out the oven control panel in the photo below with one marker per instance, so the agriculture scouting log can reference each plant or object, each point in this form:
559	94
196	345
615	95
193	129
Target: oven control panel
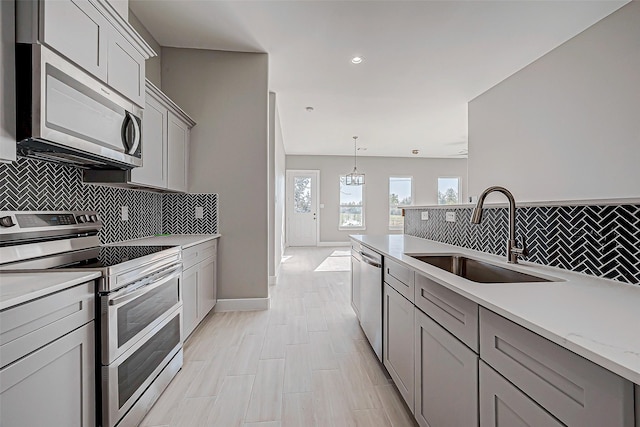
14	225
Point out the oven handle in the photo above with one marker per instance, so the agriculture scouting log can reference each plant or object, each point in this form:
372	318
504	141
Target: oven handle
159	281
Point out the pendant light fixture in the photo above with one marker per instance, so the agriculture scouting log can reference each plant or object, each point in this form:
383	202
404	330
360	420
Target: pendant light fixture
355	177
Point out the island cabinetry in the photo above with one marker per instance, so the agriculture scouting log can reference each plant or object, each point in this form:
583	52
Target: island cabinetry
572	389
398	350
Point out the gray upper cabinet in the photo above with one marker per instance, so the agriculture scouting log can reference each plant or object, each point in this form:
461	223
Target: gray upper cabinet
446	377
93	35
178	153
165	145
7	82
153	172
398	351
571	388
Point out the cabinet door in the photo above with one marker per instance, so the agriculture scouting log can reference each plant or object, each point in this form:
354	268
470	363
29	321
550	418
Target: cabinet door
78	31
446	381
504	405
53	386
355	285
7	82
398	335
178	140
153	171
125	68
206	287
189	301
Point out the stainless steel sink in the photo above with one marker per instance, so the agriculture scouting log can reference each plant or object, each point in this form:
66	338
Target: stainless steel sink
477	271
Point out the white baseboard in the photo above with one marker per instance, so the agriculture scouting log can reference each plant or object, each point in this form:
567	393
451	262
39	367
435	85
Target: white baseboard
242	304
334	243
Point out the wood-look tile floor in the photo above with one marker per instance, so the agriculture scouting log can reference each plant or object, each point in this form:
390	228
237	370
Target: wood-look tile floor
304	362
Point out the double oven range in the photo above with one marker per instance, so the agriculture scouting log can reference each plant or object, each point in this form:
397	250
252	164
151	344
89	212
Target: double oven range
139	303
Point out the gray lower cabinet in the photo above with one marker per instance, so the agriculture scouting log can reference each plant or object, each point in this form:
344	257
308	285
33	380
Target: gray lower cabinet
355	278
504	405
446	377
53	386
47	360
199	284
574	390
398	351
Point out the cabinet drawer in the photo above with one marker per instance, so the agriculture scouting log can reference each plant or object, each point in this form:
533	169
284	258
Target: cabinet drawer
502	404
198	253
455	313
399	277
29	326
573	389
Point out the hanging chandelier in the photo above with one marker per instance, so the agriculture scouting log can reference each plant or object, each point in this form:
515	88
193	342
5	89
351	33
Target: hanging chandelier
355	177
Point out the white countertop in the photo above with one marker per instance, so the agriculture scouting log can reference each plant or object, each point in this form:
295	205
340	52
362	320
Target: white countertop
184	240
17	288
598	319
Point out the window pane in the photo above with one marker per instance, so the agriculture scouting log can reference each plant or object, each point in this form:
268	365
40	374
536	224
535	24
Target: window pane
399	194
448	191
350	195
350	216
302	194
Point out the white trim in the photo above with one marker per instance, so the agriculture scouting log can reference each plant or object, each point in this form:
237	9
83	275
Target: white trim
273	280
242	304
334	243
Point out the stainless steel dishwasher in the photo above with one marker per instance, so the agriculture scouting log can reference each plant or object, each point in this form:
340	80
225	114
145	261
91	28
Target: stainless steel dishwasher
371	298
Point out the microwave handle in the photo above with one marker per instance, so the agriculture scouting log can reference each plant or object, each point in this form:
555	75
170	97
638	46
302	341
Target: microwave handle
130	120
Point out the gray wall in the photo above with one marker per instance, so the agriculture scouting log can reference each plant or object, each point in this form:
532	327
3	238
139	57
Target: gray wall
377	171
153	66
279	191
567	126
226	94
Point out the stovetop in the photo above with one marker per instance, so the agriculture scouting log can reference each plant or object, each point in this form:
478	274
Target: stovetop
109	256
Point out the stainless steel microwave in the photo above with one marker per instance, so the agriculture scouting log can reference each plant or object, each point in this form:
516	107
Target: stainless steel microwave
65	115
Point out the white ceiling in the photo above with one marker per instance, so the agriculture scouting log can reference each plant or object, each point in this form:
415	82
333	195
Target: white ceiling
423	61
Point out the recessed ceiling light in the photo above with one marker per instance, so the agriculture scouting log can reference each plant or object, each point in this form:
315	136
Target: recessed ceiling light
356	59
309	109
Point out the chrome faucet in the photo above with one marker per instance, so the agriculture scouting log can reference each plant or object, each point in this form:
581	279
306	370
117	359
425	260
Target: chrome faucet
513	251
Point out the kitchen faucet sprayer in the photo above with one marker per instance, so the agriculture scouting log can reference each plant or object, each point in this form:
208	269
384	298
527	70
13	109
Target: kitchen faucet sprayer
513	251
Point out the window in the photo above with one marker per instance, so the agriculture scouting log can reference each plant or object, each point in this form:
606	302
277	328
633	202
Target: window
351	205
302	194
400	193
449	191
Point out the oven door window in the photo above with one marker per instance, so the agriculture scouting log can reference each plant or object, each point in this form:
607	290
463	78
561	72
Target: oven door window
137	368
136	315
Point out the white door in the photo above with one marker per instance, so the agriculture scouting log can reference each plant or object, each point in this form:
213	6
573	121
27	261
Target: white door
302	208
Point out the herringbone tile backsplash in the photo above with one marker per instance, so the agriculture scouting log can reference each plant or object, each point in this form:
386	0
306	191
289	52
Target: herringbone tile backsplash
602	241
33	185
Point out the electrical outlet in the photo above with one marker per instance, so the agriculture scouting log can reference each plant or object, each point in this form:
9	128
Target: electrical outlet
124	213
450	217
424	215
199	212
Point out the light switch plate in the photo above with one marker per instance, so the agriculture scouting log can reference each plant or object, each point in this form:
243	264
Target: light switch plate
321	205
424	215
124	213
199	212
450	217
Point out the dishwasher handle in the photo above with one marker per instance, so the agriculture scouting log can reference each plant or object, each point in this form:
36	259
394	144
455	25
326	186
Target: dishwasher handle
369	260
